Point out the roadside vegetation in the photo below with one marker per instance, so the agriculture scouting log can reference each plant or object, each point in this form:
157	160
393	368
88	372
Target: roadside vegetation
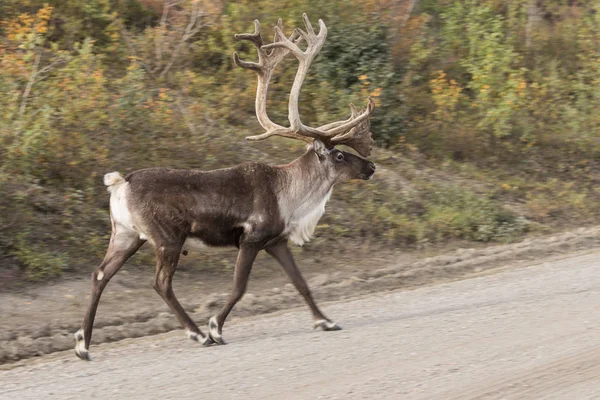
487	120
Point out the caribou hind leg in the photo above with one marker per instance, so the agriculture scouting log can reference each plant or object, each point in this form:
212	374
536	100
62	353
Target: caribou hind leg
281	252
243	266
123	244
167	257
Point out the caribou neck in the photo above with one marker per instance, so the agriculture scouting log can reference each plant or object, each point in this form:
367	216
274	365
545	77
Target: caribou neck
304	188
303	183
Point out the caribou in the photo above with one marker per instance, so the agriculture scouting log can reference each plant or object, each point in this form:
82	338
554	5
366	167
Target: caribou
252	206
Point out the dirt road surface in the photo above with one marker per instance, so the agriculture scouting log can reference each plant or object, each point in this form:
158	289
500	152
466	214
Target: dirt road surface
526	333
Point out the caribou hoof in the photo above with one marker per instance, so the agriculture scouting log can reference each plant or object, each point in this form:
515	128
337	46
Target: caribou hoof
80	350
214	331
203	340
326	325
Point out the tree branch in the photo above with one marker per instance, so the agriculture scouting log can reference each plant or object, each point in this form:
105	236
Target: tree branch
30	83
184	113
131	48
191	29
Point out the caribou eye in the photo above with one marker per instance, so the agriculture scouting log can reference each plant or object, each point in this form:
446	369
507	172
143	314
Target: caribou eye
339	156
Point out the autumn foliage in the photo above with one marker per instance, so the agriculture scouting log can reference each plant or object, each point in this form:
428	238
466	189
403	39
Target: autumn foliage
510	89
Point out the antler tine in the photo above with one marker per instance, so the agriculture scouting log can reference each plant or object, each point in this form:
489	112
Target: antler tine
353	132
255	37
361	116
285	132
280	36
314	41
309	27
351	122
359	136
353	114
264	69
266	60
314	44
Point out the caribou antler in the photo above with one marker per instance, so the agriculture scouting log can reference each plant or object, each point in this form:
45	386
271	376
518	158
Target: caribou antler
353	132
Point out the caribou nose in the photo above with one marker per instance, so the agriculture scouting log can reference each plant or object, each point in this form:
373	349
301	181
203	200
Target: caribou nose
372	165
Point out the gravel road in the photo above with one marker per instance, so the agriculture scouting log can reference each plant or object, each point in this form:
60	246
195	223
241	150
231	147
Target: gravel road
527	333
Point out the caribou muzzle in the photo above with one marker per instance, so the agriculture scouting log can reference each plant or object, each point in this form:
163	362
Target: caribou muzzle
368	171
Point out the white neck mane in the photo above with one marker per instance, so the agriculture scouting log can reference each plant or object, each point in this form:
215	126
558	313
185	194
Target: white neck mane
302	202
304	220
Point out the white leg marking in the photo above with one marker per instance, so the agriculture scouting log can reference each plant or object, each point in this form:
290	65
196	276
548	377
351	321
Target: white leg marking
100	276
204	341
191	335
326	325
80	349
213	331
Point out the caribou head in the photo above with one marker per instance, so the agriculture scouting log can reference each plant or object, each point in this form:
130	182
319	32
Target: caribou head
342	165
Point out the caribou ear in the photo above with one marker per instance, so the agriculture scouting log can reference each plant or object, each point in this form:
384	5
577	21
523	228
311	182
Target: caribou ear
320	148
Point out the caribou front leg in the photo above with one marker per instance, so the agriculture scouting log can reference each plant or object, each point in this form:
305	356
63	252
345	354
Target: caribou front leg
243	266
281	252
